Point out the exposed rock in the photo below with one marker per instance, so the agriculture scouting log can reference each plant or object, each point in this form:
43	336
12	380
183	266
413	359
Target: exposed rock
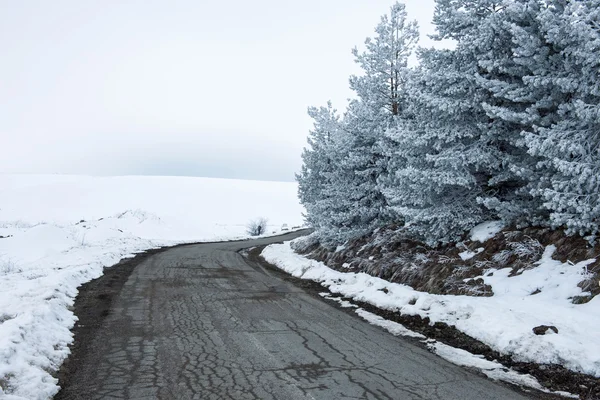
543	329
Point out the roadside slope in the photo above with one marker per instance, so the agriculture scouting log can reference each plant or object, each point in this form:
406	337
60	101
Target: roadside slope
490	298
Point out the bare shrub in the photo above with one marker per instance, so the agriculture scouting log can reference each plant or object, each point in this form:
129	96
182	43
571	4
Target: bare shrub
8	266
502	257
527	248
443	259
483	264
257	227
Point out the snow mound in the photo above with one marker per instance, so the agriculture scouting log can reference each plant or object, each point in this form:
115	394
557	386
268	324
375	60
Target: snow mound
485	231
491	369
467	255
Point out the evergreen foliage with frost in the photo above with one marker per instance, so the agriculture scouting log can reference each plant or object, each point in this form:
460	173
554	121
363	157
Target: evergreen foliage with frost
460	163
570	146
385	62
351	202
432	186
320	169
505	125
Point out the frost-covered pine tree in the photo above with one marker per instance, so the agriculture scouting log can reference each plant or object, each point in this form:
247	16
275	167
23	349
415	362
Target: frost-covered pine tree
447	158
473	106
504	125
329	188
363	163
434	185
350	203
545	100
381	99
570	145
320	167
512	54
385	62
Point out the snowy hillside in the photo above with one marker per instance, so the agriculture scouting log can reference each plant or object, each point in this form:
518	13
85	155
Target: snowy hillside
57	232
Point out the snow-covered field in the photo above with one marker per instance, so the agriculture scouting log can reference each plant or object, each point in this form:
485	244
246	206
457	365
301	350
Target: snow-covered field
503	321
60	231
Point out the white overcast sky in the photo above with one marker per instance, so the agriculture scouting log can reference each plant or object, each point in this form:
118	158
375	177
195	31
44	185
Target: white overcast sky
184	87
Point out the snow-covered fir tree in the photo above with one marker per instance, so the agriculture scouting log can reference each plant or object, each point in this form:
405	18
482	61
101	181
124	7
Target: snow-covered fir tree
320	169
450	158
385	62
433	184
570	145
360	206
504	125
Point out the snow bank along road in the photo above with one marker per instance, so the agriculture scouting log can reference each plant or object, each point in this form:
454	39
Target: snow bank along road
199	322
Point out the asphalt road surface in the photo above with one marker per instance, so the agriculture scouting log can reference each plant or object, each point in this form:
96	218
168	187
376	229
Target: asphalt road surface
199	322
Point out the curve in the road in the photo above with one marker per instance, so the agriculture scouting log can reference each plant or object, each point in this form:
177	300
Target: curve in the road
199	322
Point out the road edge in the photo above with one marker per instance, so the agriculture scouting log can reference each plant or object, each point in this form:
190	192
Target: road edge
414	323
94	299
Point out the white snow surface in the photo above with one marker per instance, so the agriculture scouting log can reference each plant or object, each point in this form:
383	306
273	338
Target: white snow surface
503	321
485	231
467	255
491	369
394	328
63	230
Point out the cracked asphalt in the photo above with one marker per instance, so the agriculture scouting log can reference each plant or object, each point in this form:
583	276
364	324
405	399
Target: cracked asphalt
200	322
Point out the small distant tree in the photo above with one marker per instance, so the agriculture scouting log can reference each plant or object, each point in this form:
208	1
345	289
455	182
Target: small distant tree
257	226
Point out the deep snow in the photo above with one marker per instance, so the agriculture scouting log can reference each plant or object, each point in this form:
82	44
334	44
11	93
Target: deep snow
503	321
64	229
